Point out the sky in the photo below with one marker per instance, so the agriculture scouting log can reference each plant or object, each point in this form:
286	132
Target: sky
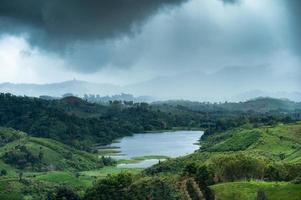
128	42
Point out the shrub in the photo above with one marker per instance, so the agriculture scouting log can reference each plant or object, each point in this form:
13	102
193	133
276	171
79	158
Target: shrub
64	193
237	167
297	180
3	172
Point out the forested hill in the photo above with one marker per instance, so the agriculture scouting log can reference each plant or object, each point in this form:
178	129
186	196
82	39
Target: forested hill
76	122
261	104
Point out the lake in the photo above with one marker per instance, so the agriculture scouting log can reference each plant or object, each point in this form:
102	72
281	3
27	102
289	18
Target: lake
169	144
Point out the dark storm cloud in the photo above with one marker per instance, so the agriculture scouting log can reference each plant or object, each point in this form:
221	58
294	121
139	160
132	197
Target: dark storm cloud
55	24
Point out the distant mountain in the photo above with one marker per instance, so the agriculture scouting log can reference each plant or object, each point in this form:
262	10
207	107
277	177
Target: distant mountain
263	104
230	84
294	96
260	104
58	89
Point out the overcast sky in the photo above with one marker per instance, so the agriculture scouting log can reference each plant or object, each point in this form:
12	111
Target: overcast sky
129	41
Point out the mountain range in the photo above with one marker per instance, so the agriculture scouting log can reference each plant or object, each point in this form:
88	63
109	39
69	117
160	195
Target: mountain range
234	84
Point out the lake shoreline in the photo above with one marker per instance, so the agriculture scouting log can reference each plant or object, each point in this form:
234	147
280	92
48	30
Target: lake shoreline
140	148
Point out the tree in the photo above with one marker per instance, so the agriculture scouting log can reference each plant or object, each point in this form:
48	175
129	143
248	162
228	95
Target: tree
3	172
261	195
190	169
204	178
272	173
20	176
41	154
64	193
111	188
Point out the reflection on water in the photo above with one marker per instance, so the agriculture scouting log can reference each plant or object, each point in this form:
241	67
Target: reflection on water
171	144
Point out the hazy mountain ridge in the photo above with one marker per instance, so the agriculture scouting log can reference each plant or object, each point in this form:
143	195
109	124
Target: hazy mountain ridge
58	89
231	84
234	84
259	104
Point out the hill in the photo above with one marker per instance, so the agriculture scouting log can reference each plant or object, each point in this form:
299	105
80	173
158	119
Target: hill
78	123
244	161
58	89
244	146
20	152
34	168
277	143
194	85
260	105
264	104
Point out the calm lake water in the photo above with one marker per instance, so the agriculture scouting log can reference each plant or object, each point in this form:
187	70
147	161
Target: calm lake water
171	144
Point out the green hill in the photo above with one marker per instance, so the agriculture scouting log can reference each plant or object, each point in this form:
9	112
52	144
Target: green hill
32	167
243	162
76	122
278	143
249	190
260	105
263	104
80	124
18	151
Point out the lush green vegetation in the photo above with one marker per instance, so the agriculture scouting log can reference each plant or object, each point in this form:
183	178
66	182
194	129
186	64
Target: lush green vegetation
76	122
126	186
228	162
259	164
249	150
249	190
41	154
261	104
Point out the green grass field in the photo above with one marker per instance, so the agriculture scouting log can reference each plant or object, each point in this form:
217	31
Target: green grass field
65	178
141	158
101	173
280	142
248	190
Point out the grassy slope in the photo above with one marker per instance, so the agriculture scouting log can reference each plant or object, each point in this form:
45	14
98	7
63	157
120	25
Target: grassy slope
55	154
78	171
248	190
103	172
273	141
268	142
